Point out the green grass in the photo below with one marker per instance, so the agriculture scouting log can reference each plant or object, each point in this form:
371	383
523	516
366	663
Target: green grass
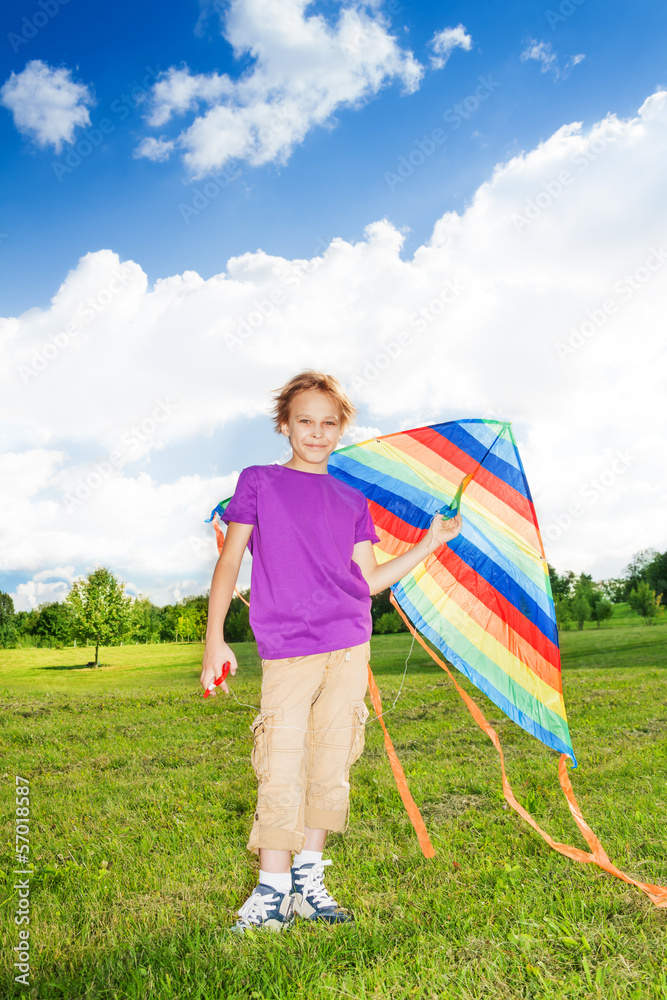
141	802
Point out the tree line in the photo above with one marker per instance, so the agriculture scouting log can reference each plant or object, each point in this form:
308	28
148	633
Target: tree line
97	610
642	586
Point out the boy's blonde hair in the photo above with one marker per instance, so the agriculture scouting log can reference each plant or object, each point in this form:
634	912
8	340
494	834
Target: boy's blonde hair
304	382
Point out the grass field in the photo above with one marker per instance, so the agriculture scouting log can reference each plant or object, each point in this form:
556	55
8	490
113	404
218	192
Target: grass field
141	798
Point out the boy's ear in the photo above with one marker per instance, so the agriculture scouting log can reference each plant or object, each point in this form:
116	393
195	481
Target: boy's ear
284	429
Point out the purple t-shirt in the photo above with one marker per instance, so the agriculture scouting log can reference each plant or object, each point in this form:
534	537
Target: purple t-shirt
307	594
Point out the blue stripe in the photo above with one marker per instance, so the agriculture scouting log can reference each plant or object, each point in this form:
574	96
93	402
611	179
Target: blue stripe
511	710
471	446
219	510
476	550
397	505
394	485
487	433
472	546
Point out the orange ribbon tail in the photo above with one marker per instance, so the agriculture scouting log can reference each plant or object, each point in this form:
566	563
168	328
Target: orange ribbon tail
656	893
399	774
220	539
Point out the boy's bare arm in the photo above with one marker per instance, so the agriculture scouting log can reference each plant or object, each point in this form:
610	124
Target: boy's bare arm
222	589
441	531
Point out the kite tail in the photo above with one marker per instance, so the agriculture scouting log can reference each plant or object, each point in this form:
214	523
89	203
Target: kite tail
399	774
656	893
220	539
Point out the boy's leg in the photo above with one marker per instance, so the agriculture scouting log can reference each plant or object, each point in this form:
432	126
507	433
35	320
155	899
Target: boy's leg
335	740
288	689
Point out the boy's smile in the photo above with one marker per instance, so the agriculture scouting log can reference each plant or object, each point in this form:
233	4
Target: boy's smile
314	430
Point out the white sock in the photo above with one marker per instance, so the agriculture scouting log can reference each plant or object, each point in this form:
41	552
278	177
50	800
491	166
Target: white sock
306	858
280	881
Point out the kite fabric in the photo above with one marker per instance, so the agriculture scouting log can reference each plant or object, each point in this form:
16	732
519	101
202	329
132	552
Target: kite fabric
483	600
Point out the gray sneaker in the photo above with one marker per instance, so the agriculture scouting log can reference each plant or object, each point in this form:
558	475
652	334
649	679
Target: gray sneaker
311	899
266	908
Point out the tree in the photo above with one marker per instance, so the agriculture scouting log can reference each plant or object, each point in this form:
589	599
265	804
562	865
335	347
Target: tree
563	610
580	605
601	609
635	571
656	574
381	607
388	623
100	608
53	622
643	600
613	589
237	623
144	620
561	586
7	621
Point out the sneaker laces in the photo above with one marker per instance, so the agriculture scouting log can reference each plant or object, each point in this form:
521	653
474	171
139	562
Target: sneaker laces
313	886
255	910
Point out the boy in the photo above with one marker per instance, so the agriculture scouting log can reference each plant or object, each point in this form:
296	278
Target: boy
313	574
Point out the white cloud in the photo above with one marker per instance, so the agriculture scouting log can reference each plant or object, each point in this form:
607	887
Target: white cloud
542	52
154	149
47	104
303	70
538	304
444	42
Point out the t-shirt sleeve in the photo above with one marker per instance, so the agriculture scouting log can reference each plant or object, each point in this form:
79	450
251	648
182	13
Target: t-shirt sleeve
364	529
242	508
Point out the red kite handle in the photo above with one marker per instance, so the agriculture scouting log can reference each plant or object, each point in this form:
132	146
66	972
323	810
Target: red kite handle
218	680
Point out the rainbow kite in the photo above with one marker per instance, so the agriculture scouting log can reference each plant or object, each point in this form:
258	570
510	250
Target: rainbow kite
484	600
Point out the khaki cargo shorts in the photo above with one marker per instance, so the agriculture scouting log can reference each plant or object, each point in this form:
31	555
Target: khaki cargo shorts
308	733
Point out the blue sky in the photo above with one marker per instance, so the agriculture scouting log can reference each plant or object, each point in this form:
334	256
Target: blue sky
441	162
335	180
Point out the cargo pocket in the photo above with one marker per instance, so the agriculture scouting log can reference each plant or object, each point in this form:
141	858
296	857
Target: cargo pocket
261	730
359	713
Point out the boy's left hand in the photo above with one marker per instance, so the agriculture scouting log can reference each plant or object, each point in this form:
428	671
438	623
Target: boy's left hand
444	529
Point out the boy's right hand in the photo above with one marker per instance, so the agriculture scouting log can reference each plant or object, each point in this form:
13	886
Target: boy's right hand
215	657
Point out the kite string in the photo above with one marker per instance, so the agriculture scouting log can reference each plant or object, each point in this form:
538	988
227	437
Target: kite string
388	711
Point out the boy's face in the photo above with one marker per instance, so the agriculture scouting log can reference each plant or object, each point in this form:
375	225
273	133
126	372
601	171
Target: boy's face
314	430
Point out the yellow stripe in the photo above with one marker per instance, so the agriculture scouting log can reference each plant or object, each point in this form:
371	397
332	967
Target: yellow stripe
499	654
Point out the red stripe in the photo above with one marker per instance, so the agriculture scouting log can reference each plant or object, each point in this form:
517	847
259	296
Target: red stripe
406	535
394	525
443	447
494	601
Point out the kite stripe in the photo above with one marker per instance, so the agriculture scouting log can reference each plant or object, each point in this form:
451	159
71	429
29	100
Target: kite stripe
485	599
507	705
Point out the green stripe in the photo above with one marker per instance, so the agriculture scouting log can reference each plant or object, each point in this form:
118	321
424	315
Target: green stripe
483	664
